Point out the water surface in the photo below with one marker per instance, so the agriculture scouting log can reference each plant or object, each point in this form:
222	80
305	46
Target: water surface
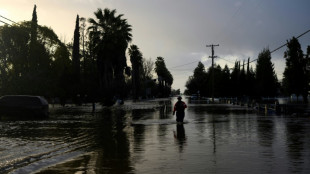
146	139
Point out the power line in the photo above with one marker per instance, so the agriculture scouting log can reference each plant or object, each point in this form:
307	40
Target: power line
7	19
303	34
286	43
280	46
4	22
226	60
274	49
195	62
186	69
185	64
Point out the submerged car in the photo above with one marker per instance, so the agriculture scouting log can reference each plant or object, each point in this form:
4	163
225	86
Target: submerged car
24	105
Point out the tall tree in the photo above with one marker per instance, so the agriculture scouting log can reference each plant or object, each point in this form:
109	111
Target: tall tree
295	79
266	79
76	52
197	83
13	63
224	84
250	80
34	26
164	76
148	84
61	74
83	40
136	61
89	81
76	63
110	35
21	74
214	86
235	80
32	58
148	69
242	81
38	59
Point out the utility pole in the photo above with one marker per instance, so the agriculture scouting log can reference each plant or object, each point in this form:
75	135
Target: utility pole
212	57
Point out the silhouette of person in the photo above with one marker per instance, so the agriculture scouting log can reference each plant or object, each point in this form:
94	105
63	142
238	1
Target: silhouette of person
179	108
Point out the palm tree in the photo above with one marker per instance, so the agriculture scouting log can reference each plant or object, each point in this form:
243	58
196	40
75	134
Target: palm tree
165	77
110	36
136	61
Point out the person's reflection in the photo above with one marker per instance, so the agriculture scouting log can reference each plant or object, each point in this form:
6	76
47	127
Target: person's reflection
179	135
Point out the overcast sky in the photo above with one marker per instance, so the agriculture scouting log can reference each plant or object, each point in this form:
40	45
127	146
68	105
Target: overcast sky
179	30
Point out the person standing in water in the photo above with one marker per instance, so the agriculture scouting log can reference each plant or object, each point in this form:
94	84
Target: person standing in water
179	108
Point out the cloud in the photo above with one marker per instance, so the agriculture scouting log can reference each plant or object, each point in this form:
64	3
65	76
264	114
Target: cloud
204	58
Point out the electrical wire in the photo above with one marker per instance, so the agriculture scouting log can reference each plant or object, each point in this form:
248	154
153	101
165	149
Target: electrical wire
286	43
5	22
194	62
226	60
281	46
272	50
185	64
7	19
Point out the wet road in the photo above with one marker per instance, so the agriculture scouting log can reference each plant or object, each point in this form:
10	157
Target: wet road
214	139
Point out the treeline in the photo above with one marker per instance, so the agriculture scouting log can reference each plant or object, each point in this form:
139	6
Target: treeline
242	81
93	68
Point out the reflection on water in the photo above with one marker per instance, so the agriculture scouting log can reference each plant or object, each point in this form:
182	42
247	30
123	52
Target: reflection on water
213	139
179	135
296	133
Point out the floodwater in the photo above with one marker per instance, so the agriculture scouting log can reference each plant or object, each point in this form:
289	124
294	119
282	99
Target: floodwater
145	139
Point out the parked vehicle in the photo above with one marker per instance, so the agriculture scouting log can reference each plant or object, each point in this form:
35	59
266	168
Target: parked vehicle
24	106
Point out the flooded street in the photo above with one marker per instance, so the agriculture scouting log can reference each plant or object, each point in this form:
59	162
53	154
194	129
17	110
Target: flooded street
146	139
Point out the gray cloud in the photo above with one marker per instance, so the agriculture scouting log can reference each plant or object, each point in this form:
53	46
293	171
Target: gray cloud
179	30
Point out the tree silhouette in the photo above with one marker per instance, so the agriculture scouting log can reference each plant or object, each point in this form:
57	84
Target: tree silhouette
226	83
198	82
14	63
34	27
250	81
110	36
164	76
61	74
76	72
76	52
22	74
235	80
295	79
136	61
26	55
148	85
266	79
